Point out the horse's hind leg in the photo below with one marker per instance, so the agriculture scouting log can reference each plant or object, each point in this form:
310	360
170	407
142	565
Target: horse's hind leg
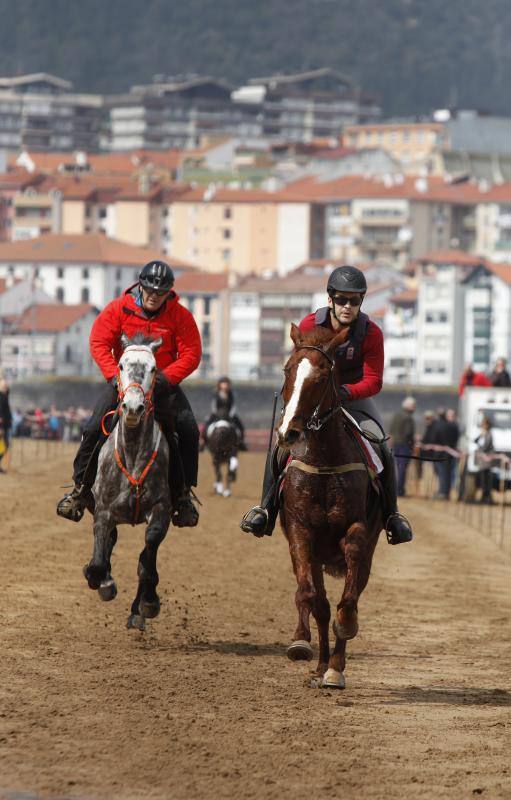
218	486
321	613
300	649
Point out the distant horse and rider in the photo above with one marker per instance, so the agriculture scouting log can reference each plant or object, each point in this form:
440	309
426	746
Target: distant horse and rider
224	436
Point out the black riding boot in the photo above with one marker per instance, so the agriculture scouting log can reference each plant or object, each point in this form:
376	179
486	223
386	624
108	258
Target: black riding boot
397	527
260	520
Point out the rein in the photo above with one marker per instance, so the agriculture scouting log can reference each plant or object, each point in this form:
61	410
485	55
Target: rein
137	482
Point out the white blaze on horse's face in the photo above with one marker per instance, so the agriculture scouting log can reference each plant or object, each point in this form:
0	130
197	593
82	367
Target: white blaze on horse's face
137	368
304	371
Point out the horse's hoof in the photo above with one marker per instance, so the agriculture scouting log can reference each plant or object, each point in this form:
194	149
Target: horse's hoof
93	580
343	631
149	610
333	680
226	493
218	487
136	622
300	651
108	589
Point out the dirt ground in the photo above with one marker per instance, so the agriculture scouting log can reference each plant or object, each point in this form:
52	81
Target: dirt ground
205	703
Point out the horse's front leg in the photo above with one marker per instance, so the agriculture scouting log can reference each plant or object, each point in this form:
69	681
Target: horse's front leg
147	603
358	555
98	567
219	486
108	588
299	547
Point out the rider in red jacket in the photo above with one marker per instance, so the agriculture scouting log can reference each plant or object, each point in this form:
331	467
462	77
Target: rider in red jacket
153	309
360	363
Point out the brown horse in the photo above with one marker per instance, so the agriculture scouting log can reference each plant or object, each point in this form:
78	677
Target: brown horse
330	512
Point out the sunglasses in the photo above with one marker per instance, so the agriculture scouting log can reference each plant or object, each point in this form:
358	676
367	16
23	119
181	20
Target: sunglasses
159	292
344	300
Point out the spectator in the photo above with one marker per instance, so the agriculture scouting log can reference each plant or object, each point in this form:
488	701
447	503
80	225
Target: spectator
426	438
500	375
454	435
471	378
402	434
483	460
5	420
445	434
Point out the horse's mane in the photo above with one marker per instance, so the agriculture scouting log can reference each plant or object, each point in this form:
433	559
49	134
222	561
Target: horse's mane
317	336
140	339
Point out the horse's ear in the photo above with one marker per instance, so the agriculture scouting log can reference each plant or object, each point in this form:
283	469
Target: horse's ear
154	345
295	334
337	340
124	341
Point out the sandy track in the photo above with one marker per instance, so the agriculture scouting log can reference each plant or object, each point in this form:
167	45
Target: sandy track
205	704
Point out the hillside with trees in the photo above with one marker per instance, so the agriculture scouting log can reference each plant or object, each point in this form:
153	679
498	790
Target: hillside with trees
412	54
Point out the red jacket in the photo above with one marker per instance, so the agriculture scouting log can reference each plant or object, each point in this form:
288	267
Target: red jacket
372	352
177	357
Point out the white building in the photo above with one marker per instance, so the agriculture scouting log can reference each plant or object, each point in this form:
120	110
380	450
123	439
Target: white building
400	329
48	339
487	315
441	316
81	268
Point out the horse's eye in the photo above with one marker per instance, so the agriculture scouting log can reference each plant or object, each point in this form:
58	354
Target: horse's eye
153	369
121	367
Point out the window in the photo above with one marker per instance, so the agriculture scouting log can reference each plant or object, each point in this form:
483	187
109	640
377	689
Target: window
85	295
85	273
68	356
207	306
481	354
227	212
436	316
60	272
226	254
60	294
227	233
102	213
482	322
118	274
191	302
206	330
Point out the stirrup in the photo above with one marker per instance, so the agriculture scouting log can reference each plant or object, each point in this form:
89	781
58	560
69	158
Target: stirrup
72	506
186	515
258	529
398	536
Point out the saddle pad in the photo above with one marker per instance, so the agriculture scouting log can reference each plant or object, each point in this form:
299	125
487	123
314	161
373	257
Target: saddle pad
371	456
220	423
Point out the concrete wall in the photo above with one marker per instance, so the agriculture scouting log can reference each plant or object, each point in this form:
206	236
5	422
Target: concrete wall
254	400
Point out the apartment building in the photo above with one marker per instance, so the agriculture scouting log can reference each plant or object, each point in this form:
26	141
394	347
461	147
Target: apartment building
240	231
306	105
441	320
487	302
40	112
391	218
413	145
174	112
400	330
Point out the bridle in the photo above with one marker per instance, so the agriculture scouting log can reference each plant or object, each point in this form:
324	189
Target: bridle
316	422
148	396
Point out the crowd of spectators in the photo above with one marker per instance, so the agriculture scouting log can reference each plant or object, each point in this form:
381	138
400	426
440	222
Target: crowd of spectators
50	423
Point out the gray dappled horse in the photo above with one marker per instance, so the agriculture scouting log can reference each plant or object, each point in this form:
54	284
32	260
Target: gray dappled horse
222	439
132	484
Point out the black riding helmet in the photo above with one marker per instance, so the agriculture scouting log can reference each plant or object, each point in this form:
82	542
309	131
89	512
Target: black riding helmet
346	279
156	275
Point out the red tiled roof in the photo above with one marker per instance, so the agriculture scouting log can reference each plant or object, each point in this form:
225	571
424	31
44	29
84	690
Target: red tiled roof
212	282
223	195
408	297
88	248
50	317
431	189
458	257
502	271
106	163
